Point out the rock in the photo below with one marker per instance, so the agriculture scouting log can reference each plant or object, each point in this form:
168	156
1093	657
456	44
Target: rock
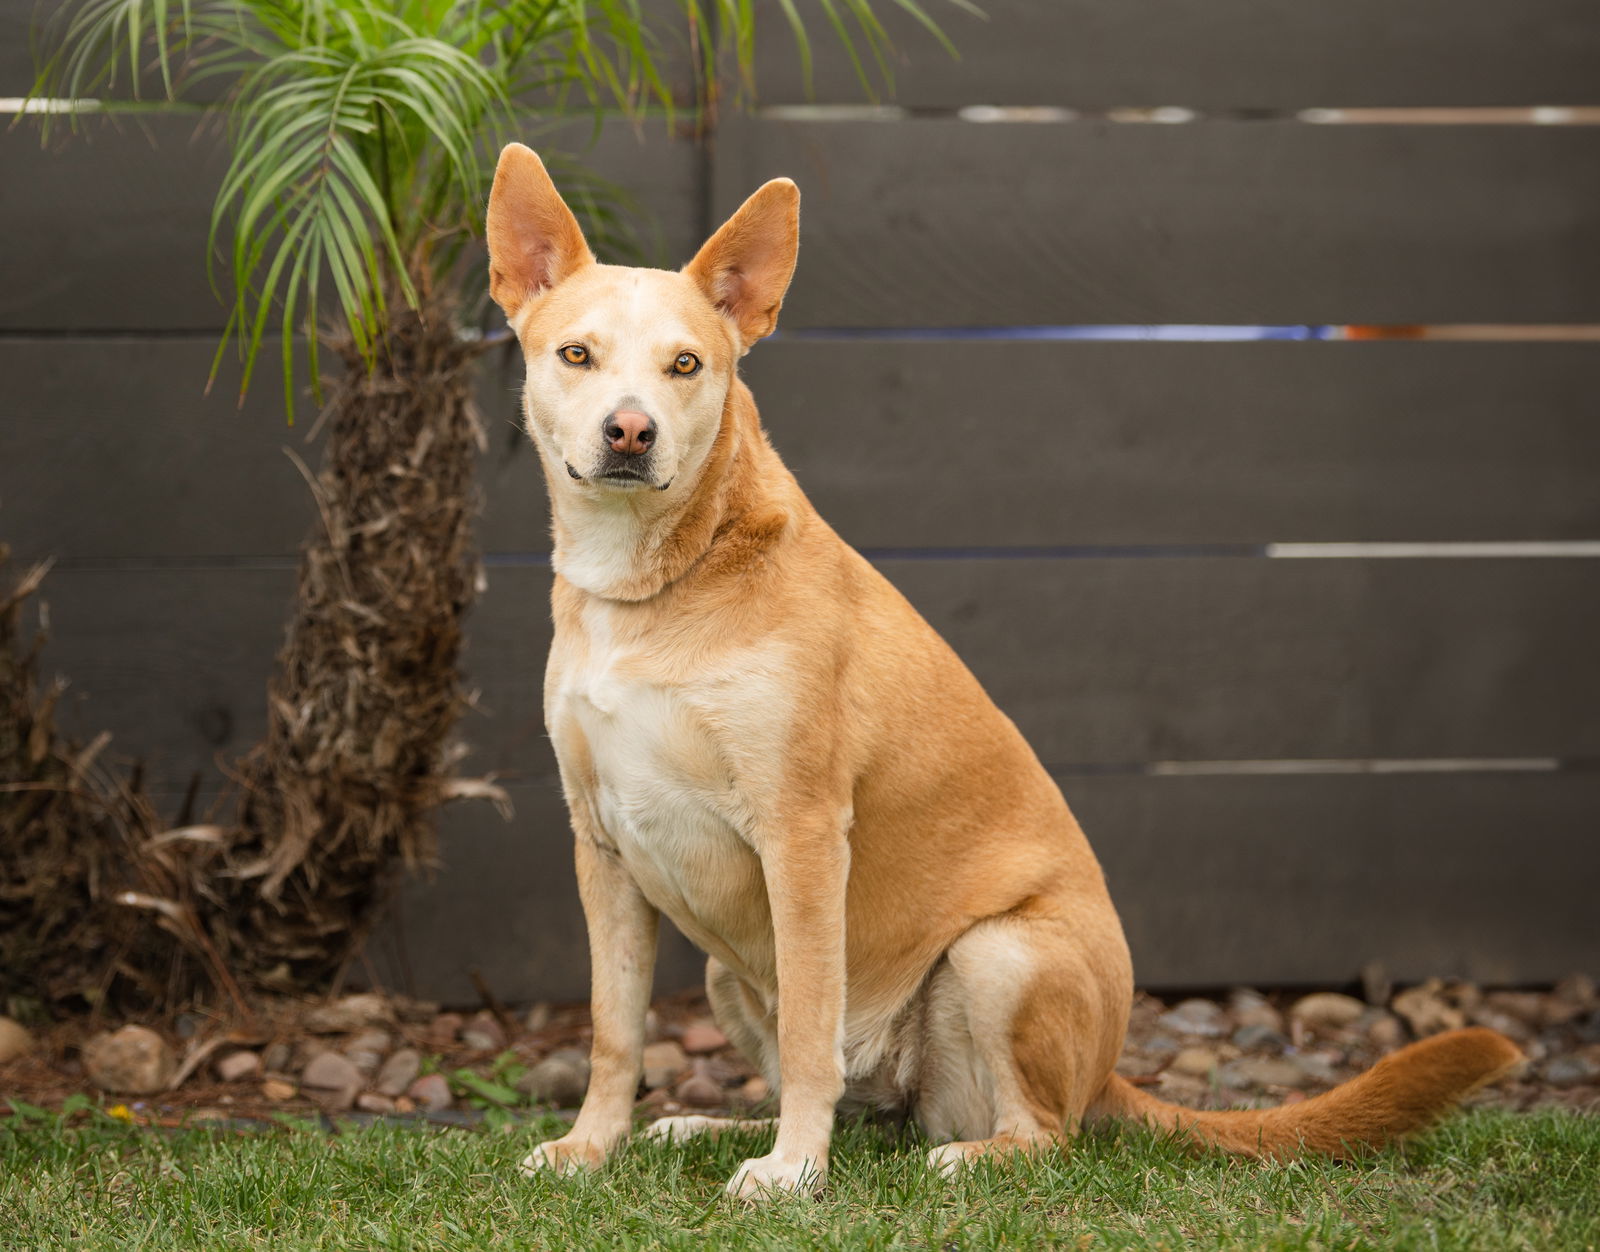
1262	1071
700	1092
484	1032
277	1089
372	1102
443	1030
1429	1008
1526	1006
1578	990
398	1072
431	1093
1316	1067
1196	1017
347	1014
652	1027
1258	1038
1384	1030
663	1062
404	1104
1508	1025
15	1040
1195	1062
367	1050
536	1018
1327	1011
131	1061
1376	985
1250	1008
703	1036
1576	1070
559	1080
237	1066
755	1090
414	1012
332	1080
276	1057
187	1025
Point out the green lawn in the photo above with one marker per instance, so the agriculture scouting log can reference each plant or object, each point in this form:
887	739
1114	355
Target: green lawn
1483	1181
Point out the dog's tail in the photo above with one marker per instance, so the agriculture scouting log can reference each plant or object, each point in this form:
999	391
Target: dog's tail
1402	1093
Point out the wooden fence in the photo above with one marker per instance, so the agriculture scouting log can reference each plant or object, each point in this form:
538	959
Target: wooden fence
1288	766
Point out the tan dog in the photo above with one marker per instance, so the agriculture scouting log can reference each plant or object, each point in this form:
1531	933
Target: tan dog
759	737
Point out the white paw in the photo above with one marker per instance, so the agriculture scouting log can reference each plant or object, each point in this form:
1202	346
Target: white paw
766	1177
562	1156
677	1129
948	1159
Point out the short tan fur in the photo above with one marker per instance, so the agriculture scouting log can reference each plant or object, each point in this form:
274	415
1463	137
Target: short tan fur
759	737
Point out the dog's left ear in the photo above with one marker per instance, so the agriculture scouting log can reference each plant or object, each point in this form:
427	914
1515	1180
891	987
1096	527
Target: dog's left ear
534	241
745	267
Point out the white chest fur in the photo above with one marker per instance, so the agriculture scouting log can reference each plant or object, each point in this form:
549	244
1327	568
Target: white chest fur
683	776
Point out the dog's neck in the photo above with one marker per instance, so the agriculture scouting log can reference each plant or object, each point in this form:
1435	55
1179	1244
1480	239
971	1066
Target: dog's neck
633	546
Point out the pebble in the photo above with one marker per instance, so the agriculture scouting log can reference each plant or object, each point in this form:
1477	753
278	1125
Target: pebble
536	1018
484	1032
1196	1017
663	1062
367	1050
15	1040
333	1079
703	1036
1262	1071
347	1014
431	1093
276	1057
1250	1008
237	1066
1256	1037
398	1072
755	1090
444	1028
1572	1071
372	1102
559	1080
131	1061
1195	1062
1426	1010
1385	1032
1327	1010
700	1092
404	1104
277	1089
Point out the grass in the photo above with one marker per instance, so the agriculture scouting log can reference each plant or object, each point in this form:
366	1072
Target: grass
1482	1181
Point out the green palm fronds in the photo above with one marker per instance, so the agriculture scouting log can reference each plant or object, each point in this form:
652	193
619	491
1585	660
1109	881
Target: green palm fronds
363	132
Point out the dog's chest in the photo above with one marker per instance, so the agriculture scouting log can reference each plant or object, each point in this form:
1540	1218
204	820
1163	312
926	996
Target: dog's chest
683	771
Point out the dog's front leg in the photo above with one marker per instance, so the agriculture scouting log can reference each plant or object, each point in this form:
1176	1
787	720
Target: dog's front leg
805	875
622	951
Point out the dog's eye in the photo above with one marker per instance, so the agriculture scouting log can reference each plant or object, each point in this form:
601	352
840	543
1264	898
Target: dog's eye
686	364
575	354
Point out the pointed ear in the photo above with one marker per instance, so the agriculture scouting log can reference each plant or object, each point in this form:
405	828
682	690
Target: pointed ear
534	241
745	267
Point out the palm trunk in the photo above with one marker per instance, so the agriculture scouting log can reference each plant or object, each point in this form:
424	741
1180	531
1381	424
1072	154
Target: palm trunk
341	792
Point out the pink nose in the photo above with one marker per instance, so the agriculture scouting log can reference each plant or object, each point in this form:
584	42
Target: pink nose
630	432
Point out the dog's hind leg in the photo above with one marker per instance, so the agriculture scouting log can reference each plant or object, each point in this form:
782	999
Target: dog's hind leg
1024	1022
742	1017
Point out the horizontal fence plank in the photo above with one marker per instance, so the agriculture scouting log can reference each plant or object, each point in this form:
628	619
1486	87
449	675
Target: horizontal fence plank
1219	881
965	444
107	230
1099	661
114	453
938	222
1211	54
1286	880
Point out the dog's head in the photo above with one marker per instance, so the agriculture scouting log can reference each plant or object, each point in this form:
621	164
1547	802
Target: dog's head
629	369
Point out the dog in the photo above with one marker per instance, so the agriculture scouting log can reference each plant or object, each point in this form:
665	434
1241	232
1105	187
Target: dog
760	738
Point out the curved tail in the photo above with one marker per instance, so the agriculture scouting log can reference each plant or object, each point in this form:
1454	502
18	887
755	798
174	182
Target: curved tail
1402	1093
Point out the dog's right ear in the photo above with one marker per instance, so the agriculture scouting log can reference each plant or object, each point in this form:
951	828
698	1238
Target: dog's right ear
534	241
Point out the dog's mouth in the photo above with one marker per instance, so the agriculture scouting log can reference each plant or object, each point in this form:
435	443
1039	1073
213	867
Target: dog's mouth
623	476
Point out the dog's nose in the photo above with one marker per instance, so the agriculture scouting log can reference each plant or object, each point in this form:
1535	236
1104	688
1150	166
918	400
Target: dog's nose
629	432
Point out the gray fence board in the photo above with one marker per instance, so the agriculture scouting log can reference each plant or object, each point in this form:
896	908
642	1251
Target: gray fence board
1285	880
106	231
1213	54
919	444
1098	661
947	223
1219	880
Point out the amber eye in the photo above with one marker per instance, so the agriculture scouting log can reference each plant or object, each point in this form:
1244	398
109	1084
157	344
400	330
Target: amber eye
687	363
575	354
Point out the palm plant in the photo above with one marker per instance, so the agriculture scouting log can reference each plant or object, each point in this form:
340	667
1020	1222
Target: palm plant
362	138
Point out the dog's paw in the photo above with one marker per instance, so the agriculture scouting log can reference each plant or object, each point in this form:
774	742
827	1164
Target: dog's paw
677	1129
949	1159
566	1155
767	1177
